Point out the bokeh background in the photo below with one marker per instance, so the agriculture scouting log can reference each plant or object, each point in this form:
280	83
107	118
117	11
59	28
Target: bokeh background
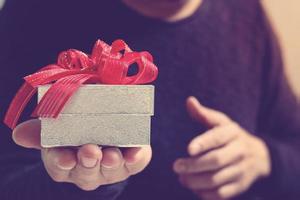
285	16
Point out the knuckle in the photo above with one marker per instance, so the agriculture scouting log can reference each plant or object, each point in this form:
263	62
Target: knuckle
243	151
239	150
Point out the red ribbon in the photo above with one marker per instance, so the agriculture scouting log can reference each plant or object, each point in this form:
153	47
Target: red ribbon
106	65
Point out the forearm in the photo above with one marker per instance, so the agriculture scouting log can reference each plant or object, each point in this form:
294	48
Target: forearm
31	181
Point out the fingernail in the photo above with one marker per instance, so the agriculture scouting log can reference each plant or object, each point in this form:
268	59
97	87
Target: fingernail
89	162
65	167
107	166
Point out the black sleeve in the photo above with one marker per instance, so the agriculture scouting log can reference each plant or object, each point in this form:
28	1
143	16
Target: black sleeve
279	124
22	173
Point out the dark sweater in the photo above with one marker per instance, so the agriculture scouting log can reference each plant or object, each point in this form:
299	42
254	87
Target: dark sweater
225	54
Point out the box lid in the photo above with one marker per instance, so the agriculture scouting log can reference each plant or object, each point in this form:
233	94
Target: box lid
108	99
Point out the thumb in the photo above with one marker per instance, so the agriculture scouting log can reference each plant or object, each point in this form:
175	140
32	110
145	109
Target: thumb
27	134
205	115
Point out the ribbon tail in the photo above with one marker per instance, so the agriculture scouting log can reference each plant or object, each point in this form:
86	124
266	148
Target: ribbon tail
46	76
59	93
18	104
51	66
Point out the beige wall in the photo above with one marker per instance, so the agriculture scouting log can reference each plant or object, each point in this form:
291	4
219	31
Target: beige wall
285	15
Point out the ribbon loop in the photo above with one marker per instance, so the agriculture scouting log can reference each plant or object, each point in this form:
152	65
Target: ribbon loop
74	59
106	65
118	46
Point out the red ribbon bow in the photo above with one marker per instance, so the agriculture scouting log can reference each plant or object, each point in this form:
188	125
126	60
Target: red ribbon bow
107	65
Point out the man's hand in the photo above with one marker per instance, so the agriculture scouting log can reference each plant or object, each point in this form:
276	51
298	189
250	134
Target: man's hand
89	166
224	161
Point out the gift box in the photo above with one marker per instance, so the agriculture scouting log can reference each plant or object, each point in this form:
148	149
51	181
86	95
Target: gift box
91	98
111	115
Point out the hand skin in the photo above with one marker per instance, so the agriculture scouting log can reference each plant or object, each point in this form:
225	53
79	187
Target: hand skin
89	166
224	161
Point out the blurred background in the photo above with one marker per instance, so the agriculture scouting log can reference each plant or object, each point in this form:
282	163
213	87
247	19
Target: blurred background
1	3
285	17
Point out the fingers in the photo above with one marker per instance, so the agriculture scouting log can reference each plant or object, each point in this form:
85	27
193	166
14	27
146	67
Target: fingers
116	166
238	182
221	184
89	156
231	190
211	180
212	139
210	161
136	159
58	163
227	191
207	116
86	174
27	134
90	166
212	171
112	165
112	158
